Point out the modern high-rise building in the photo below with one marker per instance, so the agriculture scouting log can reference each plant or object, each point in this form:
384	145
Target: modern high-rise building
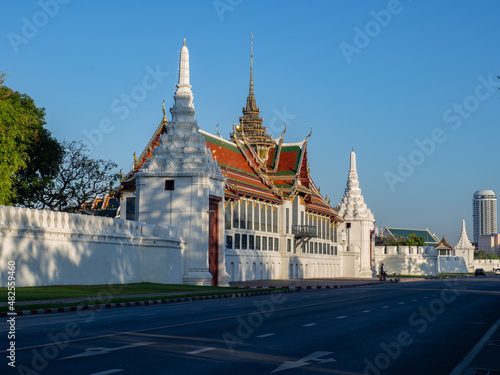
484	213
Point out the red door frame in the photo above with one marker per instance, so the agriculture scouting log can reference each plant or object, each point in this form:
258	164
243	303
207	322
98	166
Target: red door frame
213	238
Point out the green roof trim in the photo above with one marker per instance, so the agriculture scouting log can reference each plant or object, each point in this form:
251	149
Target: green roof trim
217	141
428	237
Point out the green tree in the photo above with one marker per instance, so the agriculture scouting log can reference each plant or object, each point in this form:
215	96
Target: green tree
21	125
414	240
45	157
80	179
481	254
29	155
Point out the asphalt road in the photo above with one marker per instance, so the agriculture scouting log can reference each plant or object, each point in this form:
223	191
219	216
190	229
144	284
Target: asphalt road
426	327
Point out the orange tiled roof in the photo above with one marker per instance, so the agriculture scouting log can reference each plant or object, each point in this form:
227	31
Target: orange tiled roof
285	173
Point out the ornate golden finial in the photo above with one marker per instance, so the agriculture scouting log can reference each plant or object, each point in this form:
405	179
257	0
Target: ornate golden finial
163	108
184	41
136	162
309	135
217	130
251	67
284	131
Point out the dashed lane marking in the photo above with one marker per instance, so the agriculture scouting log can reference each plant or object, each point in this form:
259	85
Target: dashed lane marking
366	311
114	371
309	325
266	335
202	350
385	307
342	317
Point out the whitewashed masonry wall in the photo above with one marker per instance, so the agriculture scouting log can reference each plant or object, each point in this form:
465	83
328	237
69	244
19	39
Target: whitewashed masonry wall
55	248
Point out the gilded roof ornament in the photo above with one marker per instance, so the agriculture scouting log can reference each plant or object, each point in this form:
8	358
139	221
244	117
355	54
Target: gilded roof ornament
163	108
310	133
284	131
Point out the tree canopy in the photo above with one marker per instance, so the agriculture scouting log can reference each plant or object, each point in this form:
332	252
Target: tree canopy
411	240
21	133
38	171
79	180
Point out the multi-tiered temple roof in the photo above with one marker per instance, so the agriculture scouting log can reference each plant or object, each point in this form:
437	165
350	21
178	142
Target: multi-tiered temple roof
254	164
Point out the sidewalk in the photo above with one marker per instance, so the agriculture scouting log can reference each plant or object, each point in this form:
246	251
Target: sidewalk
320	283
290	285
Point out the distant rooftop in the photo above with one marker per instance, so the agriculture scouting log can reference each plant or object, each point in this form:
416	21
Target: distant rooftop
429	238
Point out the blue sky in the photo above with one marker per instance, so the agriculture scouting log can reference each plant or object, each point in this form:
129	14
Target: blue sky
410	85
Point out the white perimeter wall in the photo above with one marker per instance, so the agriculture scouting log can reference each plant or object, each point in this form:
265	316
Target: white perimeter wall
244	265
407	260
54	248
487	264
452	264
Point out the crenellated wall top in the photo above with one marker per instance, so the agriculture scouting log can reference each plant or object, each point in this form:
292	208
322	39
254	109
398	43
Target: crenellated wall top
21	218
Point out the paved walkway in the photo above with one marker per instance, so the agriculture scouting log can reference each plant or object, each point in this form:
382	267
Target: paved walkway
302	282
238	284
103	299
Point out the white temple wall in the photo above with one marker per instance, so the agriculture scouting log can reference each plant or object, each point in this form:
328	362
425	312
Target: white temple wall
452	264
487	264
468	256
244	265
407	260
55	248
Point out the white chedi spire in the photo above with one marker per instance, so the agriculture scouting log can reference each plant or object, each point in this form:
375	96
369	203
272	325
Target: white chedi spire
183	86
353	204
182	149
463	241
183	109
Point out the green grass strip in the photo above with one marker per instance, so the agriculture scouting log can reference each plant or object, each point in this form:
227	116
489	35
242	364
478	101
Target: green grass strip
35	293
104	300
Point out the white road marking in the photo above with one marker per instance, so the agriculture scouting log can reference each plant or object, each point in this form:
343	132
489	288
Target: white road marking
266	335
385	307
309	325
366	311
414	300
114	371
200	350
305	361
401	303
475	350
342	317
96	351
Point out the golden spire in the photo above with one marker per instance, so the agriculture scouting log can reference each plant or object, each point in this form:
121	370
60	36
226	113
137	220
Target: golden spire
184	41
251	67
163	107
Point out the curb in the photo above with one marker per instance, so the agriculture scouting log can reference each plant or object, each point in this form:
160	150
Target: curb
137	303
309	287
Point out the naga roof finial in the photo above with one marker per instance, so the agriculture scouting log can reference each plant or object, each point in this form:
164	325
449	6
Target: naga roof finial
310	133
163	108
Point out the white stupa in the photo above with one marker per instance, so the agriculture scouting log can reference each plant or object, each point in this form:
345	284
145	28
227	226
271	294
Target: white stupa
359	223
182	185
353	206
465	249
